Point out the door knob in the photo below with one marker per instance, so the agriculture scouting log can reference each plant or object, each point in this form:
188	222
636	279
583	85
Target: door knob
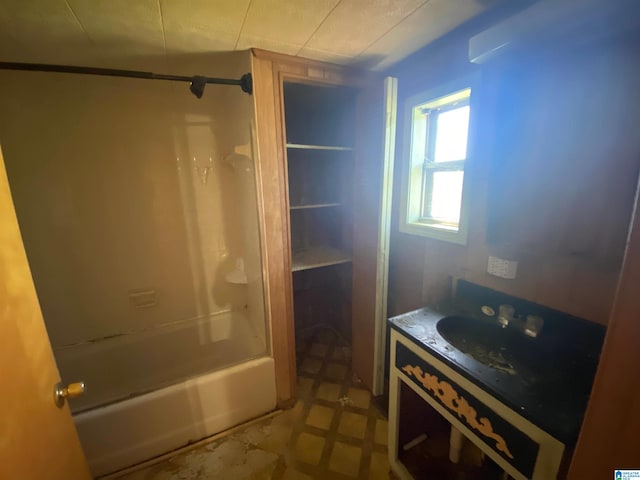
73	390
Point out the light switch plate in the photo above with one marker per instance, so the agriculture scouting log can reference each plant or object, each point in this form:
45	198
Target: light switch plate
502	268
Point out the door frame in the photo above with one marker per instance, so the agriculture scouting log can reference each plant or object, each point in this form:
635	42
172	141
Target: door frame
611	428
384	232
270	71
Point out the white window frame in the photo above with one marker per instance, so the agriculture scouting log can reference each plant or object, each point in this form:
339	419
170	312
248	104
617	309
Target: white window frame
413	171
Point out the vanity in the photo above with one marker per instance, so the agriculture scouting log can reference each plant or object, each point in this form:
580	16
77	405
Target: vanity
512	381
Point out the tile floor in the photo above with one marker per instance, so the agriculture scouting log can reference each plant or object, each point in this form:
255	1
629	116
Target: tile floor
333	432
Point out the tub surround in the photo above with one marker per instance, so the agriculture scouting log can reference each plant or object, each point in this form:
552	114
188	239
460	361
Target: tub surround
146	197
114	184
556	404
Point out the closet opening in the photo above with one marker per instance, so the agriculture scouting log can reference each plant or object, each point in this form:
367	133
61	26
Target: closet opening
320	131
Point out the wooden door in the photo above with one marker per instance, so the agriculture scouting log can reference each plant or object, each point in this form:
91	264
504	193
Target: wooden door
37	439
373	180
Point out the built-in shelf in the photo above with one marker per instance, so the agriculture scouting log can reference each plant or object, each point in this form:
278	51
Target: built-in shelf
316	205
318	147
315	257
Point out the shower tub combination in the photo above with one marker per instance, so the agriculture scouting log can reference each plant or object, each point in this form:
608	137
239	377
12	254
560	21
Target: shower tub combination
127	431
132	220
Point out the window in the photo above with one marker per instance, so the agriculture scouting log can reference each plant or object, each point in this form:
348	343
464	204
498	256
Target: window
436	151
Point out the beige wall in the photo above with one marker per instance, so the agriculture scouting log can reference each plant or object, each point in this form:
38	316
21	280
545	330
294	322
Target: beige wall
579	167
109	201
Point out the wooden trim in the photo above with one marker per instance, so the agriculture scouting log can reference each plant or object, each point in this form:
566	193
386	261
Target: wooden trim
285	59
270	71
610	436
280	135
384	233
302	70
320	77
275	219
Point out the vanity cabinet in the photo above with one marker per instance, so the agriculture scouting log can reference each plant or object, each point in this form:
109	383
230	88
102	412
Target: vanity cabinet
516	445
324	135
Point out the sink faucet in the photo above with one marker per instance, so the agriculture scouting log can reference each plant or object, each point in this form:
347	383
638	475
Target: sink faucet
505	315
533	326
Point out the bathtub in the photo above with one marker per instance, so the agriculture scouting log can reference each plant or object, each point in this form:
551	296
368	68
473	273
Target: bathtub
131	431
145	411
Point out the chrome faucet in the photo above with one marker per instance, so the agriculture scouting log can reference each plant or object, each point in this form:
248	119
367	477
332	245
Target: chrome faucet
505	315
533	326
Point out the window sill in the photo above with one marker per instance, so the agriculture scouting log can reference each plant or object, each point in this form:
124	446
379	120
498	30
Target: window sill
436	231
427	223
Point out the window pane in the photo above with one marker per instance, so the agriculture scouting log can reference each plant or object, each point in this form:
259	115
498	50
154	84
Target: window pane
445	196
451	136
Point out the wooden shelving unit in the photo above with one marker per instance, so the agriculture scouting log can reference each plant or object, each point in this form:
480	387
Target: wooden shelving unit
316	205
316	257
319	147
319	125
311	122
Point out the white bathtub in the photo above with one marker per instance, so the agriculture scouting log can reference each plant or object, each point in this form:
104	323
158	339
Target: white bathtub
153	391
123	366
130	431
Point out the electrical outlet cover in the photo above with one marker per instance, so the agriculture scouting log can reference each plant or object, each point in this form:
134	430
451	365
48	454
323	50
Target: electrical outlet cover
502	268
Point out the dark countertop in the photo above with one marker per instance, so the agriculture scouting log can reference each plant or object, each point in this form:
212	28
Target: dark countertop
555	400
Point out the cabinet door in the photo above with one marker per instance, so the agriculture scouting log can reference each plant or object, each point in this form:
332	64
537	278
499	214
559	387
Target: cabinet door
373	180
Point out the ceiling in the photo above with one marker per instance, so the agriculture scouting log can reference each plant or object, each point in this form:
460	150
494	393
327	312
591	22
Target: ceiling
125	33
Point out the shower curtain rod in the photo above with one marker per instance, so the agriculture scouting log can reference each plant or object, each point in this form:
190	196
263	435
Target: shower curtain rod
197	82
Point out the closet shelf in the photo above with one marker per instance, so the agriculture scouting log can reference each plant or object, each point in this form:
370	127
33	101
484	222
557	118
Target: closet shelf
315	257
318	147
315	205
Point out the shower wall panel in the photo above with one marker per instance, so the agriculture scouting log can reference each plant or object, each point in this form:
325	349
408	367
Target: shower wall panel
137	204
